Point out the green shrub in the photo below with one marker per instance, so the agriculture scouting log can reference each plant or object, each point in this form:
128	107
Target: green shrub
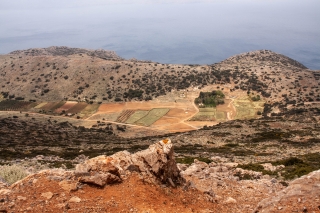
190	160
12	174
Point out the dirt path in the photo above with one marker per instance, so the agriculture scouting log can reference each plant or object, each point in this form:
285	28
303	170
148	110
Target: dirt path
231	114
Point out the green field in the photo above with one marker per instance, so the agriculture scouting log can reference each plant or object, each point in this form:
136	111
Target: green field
221	116
137	115
152	116
247	109
205	114
51	106
108	117
40	105
89	110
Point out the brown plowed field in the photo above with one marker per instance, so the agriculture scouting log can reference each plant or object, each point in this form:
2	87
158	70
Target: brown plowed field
111	107
77	108
66	106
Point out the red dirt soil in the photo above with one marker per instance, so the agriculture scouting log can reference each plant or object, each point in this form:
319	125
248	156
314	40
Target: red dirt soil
132	195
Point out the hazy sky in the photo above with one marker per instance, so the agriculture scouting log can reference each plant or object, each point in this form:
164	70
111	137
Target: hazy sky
167	31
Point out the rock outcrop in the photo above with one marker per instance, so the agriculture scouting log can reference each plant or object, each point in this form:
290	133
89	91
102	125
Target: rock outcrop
154	165
302	195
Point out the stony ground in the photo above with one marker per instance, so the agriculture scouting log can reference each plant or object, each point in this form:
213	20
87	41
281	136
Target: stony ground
215	187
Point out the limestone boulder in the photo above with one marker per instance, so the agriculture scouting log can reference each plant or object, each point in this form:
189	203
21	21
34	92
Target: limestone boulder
155	164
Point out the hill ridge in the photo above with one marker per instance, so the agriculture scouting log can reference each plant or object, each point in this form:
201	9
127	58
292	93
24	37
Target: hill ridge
265	55
65	51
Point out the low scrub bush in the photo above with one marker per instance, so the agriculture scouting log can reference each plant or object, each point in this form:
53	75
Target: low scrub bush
12	174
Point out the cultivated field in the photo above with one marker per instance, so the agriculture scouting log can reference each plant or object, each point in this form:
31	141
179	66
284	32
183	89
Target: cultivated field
40	105
247	109
137	115
77	108
13	105
52	106
66	106
153	115
205	114
88	110
168	114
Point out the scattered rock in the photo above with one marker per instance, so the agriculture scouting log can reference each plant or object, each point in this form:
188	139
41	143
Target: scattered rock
21	198
4	191
47	195
230	200
307	187
154	164
100	179
68	185
75	200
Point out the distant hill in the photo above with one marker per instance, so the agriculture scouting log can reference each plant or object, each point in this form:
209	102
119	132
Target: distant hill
66	51
62	73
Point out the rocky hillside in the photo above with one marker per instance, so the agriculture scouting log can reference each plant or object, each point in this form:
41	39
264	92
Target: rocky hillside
151	181
66	51
60	73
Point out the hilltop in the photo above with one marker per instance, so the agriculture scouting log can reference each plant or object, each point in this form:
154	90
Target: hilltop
61	73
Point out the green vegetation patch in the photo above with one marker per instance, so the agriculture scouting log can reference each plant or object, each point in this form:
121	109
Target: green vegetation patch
247	108
89	110
40	105
137	115
270	135
245	111
152	116
190	160
51	106
107	116
294	166
210	99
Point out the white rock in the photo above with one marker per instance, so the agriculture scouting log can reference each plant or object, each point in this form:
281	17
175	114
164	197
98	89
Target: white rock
47	195
75	200
230	200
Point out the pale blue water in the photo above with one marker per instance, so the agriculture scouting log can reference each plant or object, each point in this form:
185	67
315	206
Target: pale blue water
166	31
